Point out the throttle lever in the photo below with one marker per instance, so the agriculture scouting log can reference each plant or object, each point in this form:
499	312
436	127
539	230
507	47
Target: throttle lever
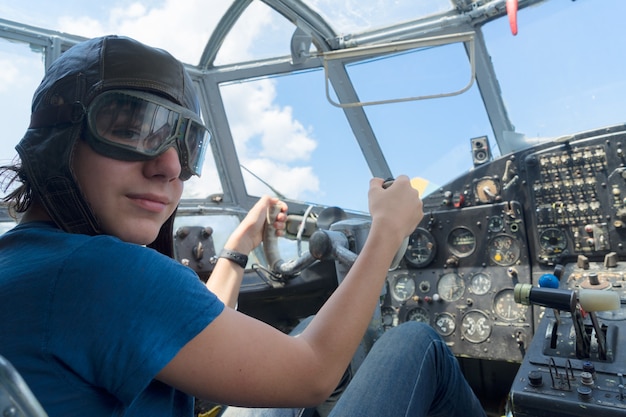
589	300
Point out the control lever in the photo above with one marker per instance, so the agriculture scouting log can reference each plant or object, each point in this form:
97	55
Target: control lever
511	11
589	301
323	244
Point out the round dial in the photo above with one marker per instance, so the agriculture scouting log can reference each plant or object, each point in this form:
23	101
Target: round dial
445	324
476	326
504	250
418	314
487	189
480	284
421	248
389	317
461	242
506	308
496	224
424	286
553	240
403	286
450	286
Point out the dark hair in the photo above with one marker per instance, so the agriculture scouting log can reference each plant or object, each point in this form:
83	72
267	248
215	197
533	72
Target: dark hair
20	198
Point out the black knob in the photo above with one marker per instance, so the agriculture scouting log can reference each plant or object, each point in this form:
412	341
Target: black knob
535	379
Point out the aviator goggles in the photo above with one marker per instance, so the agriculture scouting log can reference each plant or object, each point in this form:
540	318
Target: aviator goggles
136	126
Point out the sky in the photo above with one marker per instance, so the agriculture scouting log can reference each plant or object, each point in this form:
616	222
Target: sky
556	77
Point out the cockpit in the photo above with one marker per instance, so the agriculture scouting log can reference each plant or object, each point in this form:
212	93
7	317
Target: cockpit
506	115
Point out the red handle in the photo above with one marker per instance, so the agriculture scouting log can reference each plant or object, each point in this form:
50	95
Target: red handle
511	11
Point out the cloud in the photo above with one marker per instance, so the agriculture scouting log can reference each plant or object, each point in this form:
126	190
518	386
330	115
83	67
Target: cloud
173	27
287	180
350	16
270	141
85	26
283	137
256	116
8	75
20	75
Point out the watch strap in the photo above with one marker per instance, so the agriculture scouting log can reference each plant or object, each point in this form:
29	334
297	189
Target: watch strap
234	256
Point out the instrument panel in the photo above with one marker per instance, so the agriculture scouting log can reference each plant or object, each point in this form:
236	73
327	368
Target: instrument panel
505	222
458	275
579	194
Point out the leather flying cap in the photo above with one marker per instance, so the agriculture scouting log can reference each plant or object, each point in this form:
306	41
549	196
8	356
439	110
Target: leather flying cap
58	115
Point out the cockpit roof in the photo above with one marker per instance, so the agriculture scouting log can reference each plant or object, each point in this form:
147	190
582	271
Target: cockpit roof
335	25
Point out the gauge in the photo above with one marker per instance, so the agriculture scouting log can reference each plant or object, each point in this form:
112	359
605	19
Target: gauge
403	286
418	314
461	242
480	284
389	317
496	224
476	326
487	189
506	308
445	324
450	286
504	250
553	240
421	248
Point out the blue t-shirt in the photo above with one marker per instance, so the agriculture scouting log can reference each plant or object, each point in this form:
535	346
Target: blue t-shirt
89	321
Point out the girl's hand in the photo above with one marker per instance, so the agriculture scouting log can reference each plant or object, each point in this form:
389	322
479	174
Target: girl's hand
249	233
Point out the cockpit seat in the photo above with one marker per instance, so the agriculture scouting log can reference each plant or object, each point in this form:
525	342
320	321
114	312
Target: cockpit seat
16	399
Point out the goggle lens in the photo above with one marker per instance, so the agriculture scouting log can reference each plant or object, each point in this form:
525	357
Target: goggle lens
131	125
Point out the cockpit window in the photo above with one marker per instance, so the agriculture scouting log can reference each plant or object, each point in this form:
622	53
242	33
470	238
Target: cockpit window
291	142
435	132
556	78
417	73
355	16
259	33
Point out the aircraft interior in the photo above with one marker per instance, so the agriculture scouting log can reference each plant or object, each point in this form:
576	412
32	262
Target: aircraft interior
516	229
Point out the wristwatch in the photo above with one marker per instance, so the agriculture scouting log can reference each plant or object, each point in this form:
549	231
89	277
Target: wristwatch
234	256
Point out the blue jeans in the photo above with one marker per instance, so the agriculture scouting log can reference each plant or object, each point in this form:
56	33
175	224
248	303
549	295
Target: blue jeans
409	372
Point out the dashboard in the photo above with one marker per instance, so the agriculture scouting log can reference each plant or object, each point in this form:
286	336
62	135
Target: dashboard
458	276
507	222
